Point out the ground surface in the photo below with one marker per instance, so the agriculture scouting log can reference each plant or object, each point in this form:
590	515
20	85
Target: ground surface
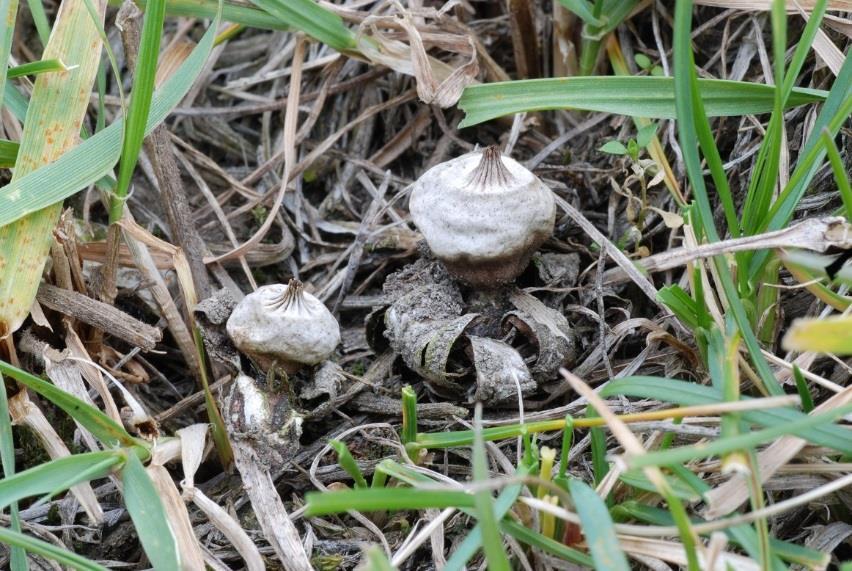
343	228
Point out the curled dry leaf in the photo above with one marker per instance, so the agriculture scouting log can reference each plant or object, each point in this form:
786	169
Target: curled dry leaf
326	383
437	82
423	326
547	330
448	91
500	371
447	339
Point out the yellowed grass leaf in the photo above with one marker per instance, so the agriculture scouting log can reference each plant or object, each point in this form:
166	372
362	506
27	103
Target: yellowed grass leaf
52	126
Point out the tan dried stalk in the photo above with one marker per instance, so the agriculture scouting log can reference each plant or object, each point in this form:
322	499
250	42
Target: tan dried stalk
25	413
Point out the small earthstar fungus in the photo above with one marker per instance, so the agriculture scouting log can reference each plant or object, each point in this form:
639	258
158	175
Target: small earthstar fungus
284	325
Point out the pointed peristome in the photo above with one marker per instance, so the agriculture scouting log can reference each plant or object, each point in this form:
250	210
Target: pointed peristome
292	297
490	171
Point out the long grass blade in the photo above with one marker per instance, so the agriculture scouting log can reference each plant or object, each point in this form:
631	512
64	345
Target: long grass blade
732	443
58	475
48	550
99	424
692	127
308	16
582	10
8	13
148	515
231	12
40	20
140	103
762	182
690	394
391	499
492	543
765	171
88	162
18	556
598	528
650	97
54	116
833	115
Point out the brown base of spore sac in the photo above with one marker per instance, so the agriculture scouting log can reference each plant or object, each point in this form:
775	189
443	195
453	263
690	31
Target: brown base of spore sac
496	271
491	274
265	363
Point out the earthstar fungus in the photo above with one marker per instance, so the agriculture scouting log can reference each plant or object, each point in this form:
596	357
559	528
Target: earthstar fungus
483	215
284	324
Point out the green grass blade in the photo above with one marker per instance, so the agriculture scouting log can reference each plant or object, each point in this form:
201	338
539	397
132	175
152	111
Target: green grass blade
36	67
598	528
590	40
692	120
57	475
140	102
608	14
99	424
690	394
306	15
391	499
148	515
650	97
614	13
765	171
742	535
492	542
582	10
682	305
18	557
231	12
707	143
376	560
637	479
841	176
15	102
408	434
833	115
471	544
600	466
88	162
546	544
465	437
802	388
40	20
101	85
8	13
762	184
741	441
48	550
803	45
348	463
